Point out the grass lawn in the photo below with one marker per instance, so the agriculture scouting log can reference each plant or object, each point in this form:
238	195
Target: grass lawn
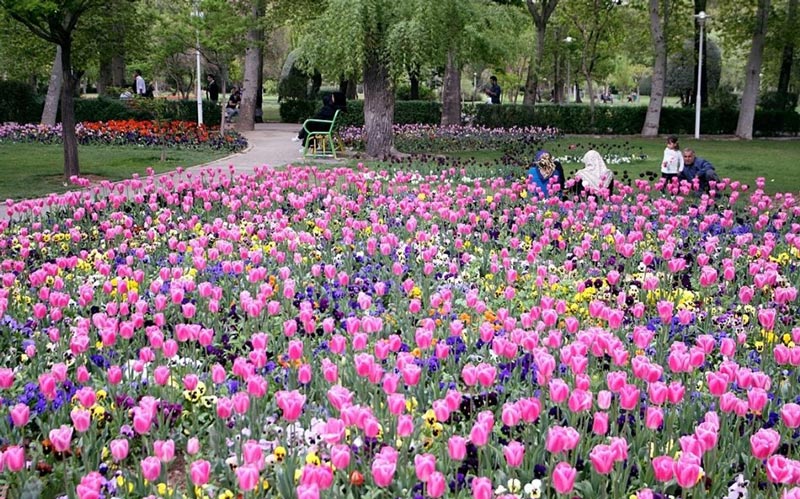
35	170
778	161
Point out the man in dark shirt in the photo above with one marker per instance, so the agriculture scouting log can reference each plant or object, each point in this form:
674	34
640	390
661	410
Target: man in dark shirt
699	168
212	89
494	91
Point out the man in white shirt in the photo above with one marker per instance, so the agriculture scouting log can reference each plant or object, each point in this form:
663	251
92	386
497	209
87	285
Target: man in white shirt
139	85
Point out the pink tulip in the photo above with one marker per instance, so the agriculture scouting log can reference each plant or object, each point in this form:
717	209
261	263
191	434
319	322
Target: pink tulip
20	414
457	447
600	423
602	458
764	443
340	456
61	438
687	473
14	458
164	450
482	488
424	465
479	435
563	477
405	425
780	470
199	472
559	390
81	419
790	413
514	452
247	477
119	449
6	378
308	491
151	468
663	468
435	486
383	471
653	418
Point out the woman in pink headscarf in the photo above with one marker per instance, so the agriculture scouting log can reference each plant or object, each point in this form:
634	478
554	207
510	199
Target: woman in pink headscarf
595	176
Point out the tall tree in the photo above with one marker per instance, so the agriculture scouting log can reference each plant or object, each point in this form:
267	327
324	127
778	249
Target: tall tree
356	36
657	29
752	77
541	12
599	25
55	21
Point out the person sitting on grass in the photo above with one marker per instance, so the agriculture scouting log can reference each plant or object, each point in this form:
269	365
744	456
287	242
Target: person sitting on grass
545	172
698	168
595	176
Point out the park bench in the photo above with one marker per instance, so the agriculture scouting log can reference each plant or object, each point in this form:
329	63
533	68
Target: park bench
321	143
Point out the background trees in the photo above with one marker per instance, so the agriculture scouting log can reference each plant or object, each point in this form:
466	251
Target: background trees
537	49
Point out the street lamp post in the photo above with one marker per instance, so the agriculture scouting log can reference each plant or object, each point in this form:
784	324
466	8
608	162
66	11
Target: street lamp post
701	18
568	40
199	88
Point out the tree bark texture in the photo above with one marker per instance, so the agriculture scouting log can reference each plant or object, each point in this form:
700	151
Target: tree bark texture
53	91
252	63
752	79
71	165
451	91
653	116
787	55
378	106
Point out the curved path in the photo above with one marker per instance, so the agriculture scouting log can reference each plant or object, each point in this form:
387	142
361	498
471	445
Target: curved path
270	144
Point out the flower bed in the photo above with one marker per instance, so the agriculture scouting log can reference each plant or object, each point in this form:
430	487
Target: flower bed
334	333
179	134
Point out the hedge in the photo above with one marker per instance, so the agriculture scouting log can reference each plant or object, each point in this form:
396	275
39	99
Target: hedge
628	120
19	103
405	112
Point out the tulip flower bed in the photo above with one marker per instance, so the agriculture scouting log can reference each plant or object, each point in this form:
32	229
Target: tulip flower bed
360	334
178	134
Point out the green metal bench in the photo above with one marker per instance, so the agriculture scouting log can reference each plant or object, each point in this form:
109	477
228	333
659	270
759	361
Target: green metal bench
320	144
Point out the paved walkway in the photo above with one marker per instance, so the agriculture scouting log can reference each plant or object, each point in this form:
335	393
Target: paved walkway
269	144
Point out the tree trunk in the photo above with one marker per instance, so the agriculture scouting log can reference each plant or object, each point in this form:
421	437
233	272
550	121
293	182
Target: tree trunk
71	165
53	90
590	89
118	70
653	117
252	58
451	91
532	80
104	78
787	57
752	79
378	106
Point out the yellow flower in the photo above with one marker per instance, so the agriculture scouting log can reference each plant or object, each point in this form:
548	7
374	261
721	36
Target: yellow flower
313	459
489	199
280	453
421	196
226	494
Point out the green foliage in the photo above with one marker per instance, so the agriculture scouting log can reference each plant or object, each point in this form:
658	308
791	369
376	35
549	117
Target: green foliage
105	109
628	120
778	102
403	92
19	103
297	110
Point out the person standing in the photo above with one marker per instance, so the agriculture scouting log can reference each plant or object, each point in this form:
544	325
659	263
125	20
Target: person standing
212	89
672	163
139	86
494	91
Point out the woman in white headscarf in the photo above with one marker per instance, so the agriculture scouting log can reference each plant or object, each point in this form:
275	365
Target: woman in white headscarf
595	175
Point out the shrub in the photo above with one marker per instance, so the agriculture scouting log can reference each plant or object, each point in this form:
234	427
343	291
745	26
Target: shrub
403	93
774	101
19	103
107	109
297	110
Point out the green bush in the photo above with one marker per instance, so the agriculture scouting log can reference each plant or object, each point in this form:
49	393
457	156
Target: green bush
774	101
628	120
297	111
405	112
403	93
105	109
19	103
